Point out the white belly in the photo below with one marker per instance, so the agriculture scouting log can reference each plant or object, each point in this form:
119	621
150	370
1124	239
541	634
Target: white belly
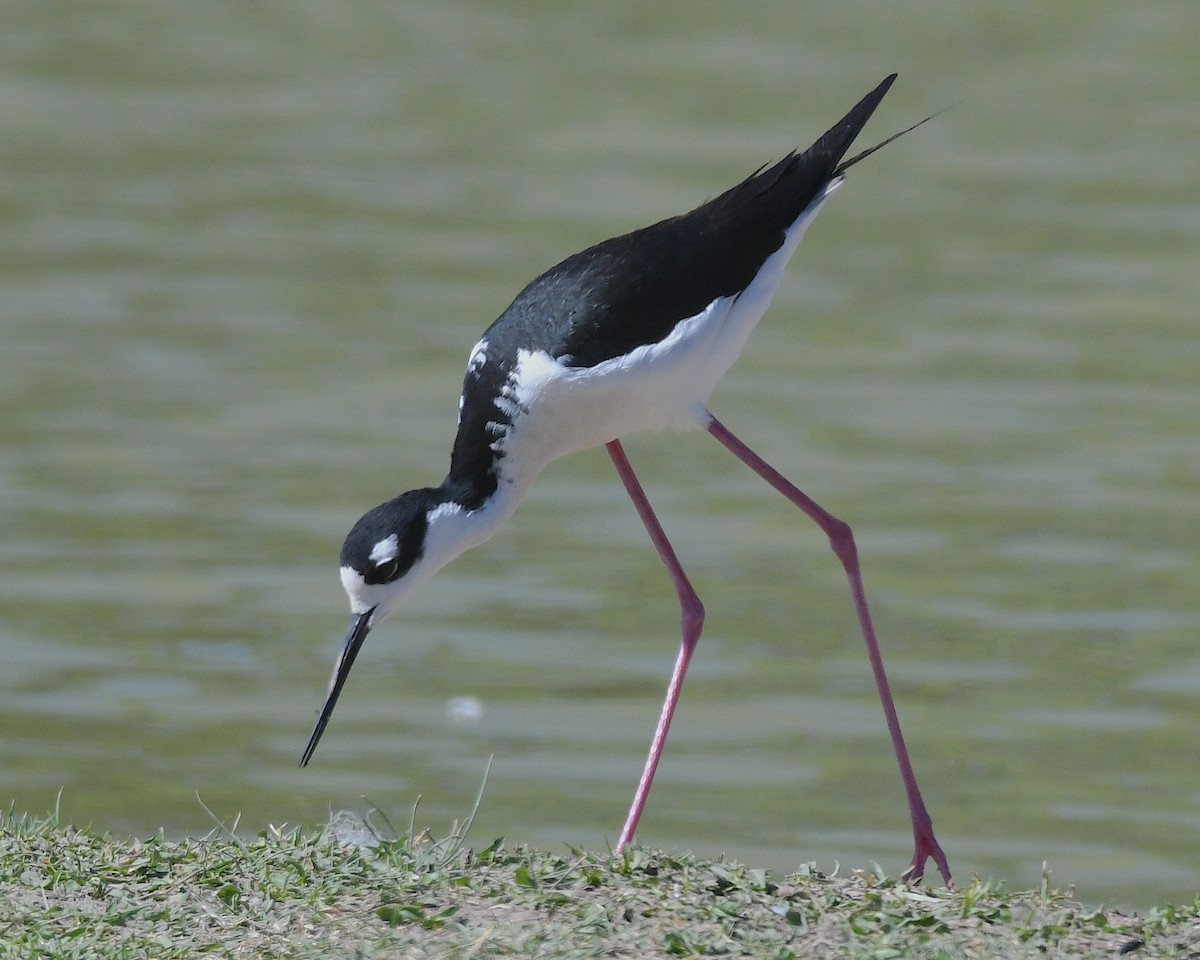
558	409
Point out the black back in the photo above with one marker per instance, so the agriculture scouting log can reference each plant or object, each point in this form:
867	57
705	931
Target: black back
632	290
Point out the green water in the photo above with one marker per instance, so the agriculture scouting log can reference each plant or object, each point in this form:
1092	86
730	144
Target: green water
244	250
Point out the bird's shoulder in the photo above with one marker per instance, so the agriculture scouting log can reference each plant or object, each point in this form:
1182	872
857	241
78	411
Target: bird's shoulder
623	293
632	289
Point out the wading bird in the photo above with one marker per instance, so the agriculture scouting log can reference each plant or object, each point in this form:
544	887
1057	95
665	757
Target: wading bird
631	334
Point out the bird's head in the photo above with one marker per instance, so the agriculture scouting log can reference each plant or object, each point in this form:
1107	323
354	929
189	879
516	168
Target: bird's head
381	552
383	560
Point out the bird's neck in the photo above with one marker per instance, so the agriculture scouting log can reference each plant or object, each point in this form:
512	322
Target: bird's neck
461	519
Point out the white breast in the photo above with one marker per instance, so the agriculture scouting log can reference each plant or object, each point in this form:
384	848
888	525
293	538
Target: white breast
559	409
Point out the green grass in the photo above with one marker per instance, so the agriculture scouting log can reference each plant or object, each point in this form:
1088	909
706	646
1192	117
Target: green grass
348	891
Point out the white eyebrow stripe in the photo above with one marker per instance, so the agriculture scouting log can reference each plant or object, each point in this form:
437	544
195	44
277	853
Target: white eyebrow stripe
385	550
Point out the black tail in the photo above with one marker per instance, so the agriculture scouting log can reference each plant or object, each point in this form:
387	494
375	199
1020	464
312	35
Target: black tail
841	167
787	187
836	141
834	144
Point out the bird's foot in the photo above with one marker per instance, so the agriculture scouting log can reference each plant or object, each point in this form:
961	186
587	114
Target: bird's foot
926	847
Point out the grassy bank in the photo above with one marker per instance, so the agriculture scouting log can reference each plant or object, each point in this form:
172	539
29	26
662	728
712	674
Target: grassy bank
345	891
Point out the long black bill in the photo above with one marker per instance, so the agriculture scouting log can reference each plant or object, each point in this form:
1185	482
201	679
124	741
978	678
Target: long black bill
360	626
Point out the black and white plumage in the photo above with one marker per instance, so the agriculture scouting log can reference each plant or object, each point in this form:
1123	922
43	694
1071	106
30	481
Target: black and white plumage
630	334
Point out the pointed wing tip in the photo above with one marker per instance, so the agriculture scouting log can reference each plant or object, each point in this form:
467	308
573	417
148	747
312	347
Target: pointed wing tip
861	111
866	106
832	146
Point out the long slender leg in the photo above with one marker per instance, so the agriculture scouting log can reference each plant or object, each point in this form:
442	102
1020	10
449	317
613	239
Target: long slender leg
841	539
691	616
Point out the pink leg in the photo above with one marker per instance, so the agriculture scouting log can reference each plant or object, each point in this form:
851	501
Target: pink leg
841	539
691	623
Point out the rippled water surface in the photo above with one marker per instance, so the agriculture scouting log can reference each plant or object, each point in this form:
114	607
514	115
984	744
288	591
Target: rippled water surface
244	251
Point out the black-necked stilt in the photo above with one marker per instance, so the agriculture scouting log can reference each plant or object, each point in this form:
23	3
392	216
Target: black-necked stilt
631	334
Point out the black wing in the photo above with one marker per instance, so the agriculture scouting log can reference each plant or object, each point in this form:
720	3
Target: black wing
633	289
